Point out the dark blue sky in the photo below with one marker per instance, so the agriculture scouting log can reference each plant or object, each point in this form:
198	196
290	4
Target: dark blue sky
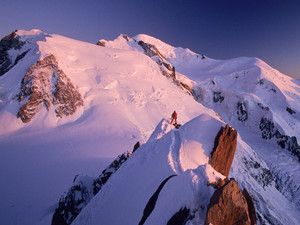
220	29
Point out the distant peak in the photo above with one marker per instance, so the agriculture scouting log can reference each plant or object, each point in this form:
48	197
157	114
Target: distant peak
30	32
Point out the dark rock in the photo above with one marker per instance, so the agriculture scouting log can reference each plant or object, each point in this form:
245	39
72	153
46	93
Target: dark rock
111	169
242	111
266	108
11	41
218	97
126	37
151	51
261	174
288	109
136	146
251	207
167	69
82	191
269	131
228	205
101	43
45	83
73	202
261	81
224	148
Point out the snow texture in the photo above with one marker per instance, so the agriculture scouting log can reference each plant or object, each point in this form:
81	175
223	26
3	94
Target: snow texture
126	94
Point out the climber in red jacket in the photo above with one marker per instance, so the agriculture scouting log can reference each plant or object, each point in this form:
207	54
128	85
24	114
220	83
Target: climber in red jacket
174	117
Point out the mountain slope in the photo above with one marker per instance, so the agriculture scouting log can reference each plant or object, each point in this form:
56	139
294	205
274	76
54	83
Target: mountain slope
124	97
127	87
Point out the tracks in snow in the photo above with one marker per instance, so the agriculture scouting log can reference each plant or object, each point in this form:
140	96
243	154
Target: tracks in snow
174	152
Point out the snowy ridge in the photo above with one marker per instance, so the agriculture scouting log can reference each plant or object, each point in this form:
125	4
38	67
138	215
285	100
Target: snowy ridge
187	152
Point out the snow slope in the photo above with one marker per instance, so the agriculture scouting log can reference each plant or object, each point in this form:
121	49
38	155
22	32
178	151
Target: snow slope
180	159
125	97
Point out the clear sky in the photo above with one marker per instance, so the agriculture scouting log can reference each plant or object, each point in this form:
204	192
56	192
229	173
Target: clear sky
220	29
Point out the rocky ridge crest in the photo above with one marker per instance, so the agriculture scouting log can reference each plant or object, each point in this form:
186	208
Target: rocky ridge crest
8	43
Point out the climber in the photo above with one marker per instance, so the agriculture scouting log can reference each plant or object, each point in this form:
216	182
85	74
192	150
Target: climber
174	117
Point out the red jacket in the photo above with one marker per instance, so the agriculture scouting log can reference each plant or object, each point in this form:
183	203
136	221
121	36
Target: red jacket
174	115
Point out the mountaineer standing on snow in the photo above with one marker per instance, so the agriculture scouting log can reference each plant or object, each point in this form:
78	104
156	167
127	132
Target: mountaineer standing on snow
174	117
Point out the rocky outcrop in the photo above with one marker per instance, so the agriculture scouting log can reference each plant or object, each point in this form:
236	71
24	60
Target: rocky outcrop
218	97
228	205
261	174
166	67
242	111
290	111
269	131
101	43
224	149
83	190
45	84
9	42
151	50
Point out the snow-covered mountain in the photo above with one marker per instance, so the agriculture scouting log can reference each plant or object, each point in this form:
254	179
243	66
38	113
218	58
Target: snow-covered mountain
67	105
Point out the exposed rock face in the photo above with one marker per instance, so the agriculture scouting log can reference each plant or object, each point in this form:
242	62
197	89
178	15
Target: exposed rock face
251	207
45	84
224	149
167	69
218	97
291	111
261	174
151	50
9	42
228	205
83	190
242	111
101	43
269	131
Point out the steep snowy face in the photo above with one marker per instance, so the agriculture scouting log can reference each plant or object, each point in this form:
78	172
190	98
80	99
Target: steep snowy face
171	175
174	166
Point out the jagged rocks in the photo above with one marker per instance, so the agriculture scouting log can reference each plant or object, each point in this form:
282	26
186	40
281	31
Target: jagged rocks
269	131
11	41
288	109
228	205
83	190
266	108
112	168
45	83
242	111
224	149
218	97
261	174
101	43
151	50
